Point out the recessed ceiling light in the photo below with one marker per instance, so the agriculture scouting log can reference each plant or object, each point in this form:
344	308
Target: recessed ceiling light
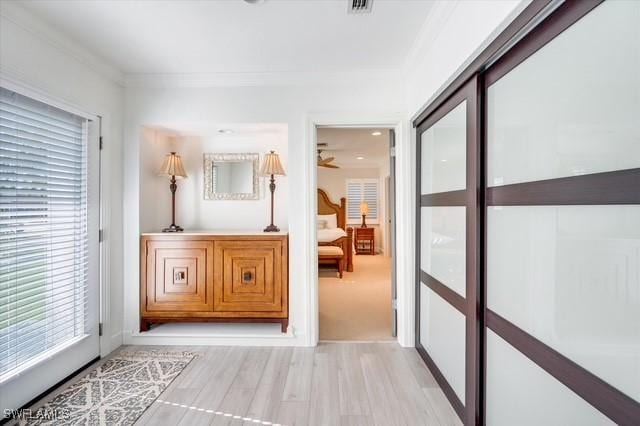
376	133
225	131
359	158
444	160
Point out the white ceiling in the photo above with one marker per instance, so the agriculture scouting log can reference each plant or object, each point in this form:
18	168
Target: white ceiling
347	144
157	37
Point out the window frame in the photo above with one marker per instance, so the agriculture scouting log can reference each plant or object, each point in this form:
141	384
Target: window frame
362	181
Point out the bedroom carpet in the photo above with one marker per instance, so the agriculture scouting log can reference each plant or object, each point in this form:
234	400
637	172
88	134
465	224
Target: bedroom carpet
357	307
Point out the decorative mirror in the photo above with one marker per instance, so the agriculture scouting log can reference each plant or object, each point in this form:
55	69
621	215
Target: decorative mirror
231	177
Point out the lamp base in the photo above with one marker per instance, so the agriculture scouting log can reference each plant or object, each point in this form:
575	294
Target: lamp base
173	228
272	228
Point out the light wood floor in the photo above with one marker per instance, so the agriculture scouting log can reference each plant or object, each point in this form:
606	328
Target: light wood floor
332	384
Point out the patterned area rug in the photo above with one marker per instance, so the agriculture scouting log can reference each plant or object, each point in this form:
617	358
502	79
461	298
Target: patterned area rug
115	393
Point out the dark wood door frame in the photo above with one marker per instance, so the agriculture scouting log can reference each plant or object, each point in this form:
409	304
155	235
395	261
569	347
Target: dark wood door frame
616	187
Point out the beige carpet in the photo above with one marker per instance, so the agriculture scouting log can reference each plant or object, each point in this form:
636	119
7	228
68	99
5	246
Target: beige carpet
358	306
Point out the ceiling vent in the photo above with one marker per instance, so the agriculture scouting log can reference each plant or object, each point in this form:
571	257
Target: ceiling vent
360	6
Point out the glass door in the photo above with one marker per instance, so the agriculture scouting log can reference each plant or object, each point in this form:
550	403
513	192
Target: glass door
446	247
49	249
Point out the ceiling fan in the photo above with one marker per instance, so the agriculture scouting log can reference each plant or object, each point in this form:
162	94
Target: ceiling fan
325	162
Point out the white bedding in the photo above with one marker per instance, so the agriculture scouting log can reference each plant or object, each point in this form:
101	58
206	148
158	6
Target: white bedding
330	234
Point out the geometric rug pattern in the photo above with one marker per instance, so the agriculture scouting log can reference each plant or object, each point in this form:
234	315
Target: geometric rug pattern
116	392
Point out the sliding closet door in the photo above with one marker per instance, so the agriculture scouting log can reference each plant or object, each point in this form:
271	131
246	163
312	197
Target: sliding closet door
563	221
447	232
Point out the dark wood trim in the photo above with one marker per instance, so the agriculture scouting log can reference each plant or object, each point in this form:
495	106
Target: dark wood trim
483	246
450	296
451	103
444	199
610	401
618	187
532	11
472	273
451	395
562	18
417	270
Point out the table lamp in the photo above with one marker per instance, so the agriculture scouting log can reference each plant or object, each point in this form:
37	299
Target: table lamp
364	211
271	166
172	167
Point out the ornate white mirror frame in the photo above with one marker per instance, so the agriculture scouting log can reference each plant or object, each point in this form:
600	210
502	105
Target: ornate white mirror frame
211	159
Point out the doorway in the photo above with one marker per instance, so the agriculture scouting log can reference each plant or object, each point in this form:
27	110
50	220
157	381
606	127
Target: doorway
355	233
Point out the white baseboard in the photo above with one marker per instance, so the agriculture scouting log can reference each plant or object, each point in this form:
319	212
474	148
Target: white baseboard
212	340
116	341
210	335
110	344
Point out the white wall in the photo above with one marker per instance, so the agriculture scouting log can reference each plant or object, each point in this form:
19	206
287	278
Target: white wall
453	31
193	212
37	57
333	181
453	34
289	105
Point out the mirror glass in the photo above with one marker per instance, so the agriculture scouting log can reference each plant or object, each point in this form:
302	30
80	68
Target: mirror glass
231	176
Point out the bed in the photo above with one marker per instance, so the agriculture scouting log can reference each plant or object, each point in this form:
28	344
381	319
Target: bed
339	235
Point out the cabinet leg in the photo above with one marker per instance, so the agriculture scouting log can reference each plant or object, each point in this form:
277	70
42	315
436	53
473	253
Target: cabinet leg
284	324
144	325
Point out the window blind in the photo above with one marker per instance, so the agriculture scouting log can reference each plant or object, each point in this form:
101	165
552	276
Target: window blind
43	228
358	191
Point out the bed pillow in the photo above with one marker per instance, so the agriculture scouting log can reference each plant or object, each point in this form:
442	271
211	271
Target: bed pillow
321	224
332	220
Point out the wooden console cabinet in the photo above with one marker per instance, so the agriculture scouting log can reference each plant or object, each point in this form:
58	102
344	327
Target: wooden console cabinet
214	277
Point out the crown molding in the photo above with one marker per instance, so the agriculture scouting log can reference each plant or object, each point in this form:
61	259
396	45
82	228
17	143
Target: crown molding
252	79
16	14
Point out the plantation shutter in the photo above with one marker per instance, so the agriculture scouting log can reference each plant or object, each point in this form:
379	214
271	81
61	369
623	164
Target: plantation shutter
43	229
358	191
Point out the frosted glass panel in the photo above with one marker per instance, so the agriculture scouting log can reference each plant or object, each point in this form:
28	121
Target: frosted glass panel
443	242
521	393
570	276
442	334
572	108
443	150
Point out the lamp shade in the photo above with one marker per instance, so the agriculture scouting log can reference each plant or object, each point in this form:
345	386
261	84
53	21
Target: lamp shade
271	165
364	209
172	166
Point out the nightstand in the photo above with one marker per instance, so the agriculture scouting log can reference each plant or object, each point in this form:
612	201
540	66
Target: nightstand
365	241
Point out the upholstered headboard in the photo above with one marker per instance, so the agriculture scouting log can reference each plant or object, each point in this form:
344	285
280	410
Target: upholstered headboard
325	206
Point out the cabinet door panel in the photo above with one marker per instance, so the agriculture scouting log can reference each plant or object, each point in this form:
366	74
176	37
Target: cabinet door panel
248	276
179	276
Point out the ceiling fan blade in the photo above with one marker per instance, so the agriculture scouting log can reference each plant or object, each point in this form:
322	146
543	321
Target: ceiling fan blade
330	166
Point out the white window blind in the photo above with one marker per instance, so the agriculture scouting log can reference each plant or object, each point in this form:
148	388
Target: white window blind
358	191
43	229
